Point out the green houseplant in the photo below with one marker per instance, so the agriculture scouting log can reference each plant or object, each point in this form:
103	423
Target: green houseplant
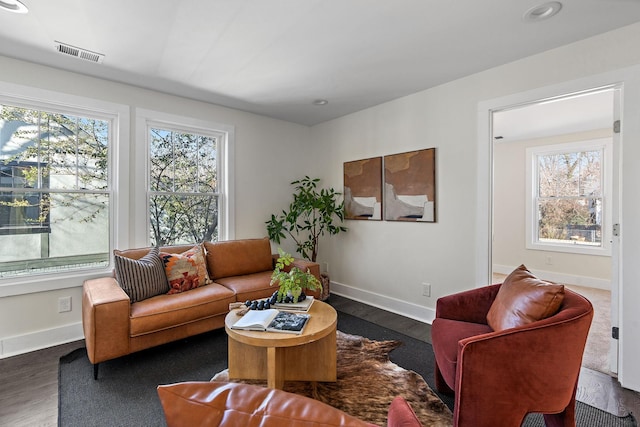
292	282
312	213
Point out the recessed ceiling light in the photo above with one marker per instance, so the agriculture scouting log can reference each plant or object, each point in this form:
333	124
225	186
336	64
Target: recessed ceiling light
320	102
542	11
13	6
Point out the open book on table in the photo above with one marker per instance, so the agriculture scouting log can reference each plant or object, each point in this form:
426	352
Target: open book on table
272	320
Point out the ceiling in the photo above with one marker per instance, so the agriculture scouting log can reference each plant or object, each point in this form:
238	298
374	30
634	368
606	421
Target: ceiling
560	116
274	57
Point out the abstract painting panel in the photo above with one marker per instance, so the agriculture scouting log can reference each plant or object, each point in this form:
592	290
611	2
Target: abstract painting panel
410	186
363	189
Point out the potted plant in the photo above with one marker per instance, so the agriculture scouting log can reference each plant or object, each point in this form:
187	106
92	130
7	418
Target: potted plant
291	283
311	214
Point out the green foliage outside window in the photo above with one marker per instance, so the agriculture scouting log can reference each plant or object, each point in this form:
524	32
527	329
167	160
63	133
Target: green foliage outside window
183	187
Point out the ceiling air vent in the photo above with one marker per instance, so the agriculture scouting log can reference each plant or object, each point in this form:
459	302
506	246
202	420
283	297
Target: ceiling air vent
79	52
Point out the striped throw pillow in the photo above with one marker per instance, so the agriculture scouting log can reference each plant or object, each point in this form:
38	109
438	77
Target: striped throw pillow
143	278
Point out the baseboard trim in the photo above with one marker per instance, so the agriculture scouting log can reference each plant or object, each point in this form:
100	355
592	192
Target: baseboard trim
403	308
590	282
20	344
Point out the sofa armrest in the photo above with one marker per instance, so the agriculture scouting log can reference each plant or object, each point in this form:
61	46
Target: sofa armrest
105	319
236	404
468	306
302	264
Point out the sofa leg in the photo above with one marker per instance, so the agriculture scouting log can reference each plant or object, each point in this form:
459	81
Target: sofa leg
95	371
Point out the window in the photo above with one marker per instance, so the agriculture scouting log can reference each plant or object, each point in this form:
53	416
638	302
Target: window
568	189
54	189
186	175
21	213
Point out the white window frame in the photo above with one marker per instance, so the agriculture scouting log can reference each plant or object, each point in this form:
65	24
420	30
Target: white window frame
532	153
225	150
119	116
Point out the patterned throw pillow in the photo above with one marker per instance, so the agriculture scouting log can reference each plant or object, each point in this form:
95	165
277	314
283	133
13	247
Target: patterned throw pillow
143	278
185	271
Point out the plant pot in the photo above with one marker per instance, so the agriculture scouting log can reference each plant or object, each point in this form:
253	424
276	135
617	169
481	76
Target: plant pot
326	286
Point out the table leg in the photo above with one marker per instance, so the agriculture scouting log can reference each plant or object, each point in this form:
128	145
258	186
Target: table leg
275	367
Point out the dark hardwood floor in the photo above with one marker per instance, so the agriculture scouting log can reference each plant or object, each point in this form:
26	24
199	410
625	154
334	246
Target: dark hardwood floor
29	382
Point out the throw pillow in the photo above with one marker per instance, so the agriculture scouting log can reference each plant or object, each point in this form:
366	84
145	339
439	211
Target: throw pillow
142	278
522	299
185	271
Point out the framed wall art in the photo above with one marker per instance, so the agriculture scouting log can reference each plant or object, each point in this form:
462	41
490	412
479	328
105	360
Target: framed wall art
410	186
363	189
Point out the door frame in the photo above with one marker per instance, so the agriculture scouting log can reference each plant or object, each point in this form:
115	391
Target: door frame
629	83
612	195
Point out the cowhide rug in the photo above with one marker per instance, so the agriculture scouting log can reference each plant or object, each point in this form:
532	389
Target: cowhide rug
367	383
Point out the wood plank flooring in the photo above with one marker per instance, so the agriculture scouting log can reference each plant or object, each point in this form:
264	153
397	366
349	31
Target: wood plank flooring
29	387
29	382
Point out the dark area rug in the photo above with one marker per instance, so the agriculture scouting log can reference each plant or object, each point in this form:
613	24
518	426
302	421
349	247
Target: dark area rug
367	382
125	393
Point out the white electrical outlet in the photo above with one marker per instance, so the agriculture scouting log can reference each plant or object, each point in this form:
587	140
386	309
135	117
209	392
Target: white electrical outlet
426	289
326	267
64	304
548	260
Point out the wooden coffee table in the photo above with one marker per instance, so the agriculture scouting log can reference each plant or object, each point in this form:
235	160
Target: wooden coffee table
279	357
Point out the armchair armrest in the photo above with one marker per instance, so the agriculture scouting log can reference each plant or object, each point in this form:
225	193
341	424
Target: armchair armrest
105	319
468	306
539	362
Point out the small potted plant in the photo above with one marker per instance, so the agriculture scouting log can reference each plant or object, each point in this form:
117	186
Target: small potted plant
292	282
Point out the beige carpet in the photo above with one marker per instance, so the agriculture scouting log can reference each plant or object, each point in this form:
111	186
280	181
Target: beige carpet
367	383
596	353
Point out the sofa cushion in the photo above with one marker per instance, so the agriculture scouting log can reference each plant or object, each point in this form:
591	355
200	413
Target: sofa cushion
167	311
238	257
250	286
447	333
233	404
522	299
142	278
186	270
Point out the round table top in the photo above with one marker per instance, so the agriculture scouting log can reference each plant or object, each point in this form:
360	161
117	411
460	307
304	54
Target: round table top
322	322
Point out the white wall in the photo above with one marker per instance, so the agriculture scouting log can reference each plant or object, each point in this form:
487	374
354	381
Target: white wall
269	154
384	263
509	246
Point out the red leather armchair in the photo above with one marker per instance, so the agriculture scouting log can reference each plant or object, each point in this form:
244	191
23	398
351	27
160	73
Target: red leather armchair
498	377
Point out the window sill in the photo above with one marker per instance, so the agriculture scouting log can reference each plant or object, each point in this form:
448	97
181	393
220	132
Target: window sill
44	283
571	249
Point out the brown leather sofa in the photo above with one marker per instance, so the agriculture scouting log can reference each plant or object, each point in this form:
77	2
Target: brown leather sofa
114	327
231	405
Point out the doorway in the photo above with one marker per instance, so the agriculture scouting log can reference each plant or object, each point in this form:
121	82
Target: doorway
580	251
